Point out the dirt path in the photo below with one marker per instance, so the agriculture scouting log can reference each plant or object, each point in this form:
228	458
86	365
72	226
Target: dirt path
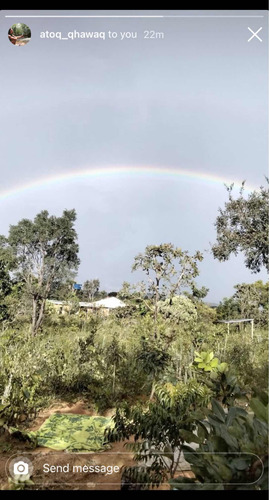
117	456
63	479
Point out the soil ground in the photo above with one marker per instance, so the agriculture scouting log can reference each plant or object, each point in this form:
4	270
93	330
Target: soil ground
116	456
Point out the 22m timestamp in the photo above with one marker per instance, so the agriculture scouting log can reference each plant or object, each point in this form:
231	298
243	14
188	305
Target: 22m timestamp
153	34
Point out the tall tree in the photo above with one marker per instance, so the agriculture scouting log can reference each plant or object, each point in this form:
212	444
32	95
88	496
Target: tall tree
63	286
168	269
126	291
45	249
6	265
253	301
228	309
90	289
250	300
242	226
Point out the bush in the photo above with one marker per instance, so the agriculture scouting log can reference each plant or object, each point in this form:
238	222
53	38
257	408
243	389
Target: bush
233	452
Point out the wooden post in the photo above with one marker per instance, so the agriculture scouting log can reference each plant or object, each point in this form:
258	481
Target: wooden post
252	329
226	337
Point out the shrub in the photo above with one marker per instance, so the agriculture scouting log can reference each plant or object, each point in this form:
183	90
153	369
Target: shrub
233	453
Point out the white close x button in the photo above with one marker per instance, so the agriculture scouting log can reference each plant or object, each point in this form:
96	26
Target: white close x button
254	34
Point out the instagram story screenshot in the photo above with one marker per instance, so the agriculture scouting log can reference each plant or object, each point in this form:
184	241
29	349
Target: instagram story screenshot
134	251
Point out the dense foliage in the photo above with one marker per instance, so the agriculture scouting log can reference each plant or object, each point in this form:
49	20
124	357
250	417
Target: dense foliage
44	251
233	450
171	371
242	226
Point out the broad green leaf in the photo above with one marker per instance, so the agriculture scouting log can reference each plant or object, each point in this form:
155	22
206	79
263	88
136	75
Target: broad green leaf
233	413
214	362
189	437
214	421
260	410
202	431
219	444
223	367
218	410
230	440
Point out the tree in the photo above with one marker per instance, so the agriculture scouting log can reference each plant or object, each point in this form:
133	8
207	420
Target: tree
179	309
126	291
114	354
253	301
160	428
63	286
199	293
250	300
90	289
5	282
153	358
6	264
168	269
233	451
5	288
44	249
135	296
21	29
243	227
228	309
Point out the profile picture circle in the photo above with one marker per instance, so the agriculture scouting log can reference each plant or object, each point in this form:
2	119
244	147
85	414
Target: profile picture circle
19	34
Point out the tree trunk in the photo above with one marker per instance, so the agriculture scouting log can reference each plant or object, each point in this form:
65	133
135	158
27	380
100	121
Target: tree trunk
114	378
180	360
156	307
152	390
34	316
37	321
175	464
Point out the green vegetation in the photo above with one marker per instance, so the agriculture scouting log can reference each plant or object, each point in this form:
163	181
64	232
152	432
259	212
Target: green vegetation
164	363
232	450
44	251
249	301
243	227
21	29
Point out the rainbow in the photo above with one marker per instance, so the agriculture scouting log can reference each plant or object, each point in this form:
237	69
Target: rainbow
113	171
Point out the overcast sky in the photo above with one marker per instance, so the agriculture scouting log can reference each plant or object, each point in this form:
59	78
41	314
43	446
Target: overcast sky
195	99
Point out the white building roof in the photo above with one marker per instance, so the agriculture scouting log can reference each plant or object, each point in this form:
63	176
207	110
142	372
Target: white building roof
109	302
